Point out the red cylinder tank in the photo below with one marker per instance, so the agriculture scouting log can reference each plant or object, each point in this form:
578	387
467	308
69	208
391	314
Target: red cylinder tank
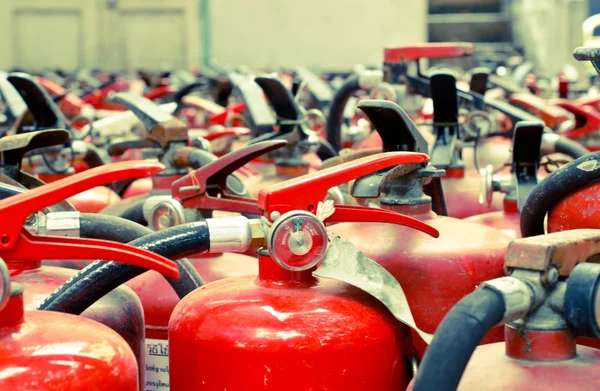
434	273
158	300
284	330
121	310
50	351
502	367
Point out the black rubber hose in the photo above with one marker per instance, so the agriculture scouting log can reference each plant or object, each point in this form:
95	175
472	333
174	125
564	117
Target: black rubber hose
571	148
456	338
116	229
335	118
560	183
135	213
99	278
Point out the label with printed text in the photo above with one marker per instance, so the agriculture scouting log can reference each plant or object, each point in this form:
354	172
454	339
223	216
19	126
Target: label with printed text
157	365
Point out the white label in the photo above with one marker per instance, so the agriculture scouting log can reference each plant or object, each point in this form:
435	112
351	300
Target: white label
157	365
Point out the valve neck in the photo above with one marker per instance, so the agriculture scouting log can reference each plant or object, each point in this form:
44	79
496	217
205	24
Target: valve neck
454	173
420	211
13	314
406	192
18	267
510	204
539	345
271	275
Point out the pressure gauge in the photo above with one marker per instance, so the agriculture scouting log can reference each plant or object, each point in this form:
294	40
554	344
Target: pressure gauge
297	240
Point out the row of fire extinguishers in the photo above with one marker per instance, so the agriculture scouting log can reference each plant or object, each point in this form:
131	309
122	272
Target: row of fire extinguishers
243	230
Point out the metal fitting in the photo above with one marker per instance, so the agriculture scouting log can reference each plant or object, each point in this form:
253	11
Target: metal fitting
486	185
163	212
369	79
59	224
235	234
518	297
335	194
549	141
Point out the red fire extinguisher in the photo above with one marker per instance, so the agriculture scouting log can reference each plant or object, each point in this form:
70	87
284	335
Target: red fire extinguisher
195	197
269	328
49	351
24	253
465	254
548	299
527	141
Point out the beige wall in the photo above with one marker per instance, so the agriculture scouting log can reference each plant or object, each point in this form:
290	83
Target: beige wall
328	33
116	34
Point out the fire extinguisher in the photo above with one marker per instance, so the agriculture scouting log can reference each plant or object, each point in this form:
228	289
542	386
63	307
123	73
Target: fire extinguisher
195	197
274	335
471	253
46	115
548	299
309	245
526	161
22	250
91	355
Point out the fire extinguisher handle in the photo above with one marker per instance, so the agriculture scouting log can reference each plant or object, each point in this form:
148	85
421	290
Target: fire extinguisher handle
305	192
344	213
552	115
31	247
17	208
527	141
14	147
282	101
257	108
15	106
398	132
205	188
46	113
161	126
234	131
395	54
479	80
184	91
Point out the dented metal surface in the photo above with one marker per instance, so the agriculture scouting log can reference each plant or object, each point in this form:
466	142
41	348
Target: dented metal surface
344	262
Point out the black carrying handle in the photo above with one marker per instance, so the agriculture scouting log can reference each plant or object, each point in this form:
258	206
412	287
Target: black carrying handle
445	118
282	101
398	132
147	111
14	147
184	91
42	107
527	141
259	113
479	80
15	105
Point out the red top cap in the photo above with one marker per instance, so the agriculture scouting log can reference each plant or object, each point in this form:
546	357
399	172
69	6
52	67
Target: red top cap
394	54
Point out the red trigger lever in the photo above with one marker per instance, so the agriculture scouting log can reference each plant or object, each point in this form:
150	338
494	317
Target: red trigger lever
305	192
16	243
